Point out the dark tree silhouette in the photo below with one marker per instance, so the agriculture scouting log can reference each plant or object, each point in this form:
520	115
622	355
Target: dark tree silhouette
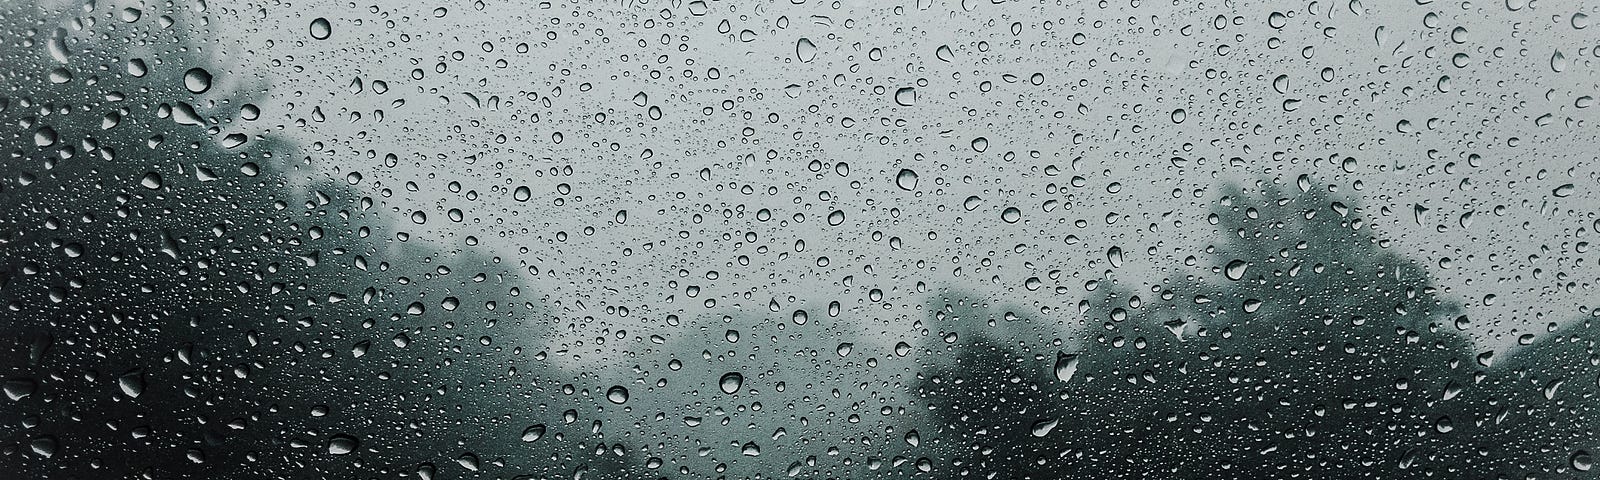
1300	347
185	298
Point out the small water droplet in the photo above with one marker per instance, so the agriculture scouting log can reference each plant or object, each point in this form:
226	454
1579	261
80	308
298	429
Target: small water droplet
980	144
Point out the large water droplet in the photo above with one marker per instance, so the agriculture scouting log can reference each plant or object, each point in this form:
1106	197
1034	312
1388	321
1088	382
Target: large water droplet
1011	215
197	80
468	461
1043	427
1235	269
617	394
44	446
18	388
342	444
1066	365
731	382
321	29
533	432
905	96
906	179
1581	461
131	383
805	50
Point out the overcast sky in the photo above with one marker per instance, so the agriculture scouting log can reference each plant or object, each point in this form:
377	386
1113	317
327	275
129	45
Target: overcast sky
1452	124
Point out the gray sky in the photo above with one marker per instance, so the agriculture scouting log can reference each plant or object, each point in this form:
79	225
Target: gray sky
693	117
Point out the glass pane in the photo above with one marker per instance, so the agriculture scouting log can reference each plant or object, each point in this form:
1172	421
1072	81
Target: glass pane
821	239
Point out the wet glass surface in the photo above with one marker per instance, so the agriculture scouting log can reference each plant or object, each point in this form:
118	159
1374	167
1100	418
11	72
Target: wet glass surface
799	238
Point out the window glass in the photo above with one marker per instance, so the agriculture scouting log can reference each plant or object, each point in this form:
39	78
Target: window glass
799	238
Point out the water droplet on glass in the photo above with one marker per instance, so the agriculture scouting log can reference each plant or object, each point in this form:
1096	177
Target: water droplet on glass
1011	215
1564	190
906	179
342	444
1581	461
617	394
533	432
44	446
805	50
197	80
16	389
1043	427
731	382
1066	365
1251	305
905	96
1235	269
971	203
151	180
468	461
321	29
131	383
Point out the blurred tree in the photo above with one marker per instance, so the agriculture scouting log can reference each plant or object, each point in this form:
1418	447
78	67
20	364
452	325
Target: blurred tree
1300	348
185	297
